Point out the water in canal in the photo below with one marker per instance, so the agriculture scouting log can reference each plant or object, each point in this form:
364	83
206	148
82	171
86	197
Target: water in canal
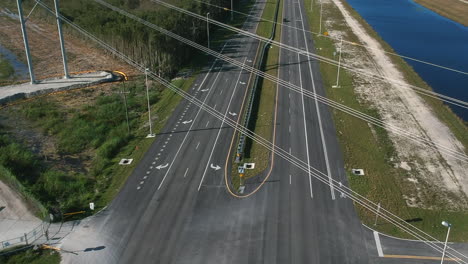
415	31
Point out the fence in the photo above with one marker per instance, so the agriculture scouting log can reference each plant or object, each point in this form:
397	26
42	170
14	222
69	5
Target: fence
39	233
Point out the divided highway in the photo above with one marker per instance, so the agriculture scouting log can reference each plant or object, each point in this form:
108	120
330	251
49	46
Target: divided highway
175	208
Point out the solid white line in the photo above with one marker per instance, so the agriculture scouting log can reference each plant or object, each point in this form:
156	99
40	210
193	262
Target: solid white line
289	179
185	174
198	145
191	125
219	131
216	105
289	128
207	123
220	93
377	244
305	123
325	152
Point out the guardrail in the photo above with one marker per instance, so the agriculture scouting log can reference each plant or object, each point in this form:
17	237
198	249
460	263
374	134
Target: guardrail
248	113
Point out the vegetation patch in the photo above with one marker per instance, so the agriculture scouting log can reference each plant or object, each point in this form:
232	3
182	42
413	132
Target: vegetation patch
6	69
31	256
69	153
369	147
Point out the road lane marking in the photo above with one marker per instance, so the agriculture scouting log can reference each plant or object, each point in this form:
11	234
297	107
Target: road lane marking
419	257
138	188
377	244
198	145
220	93
195	118
219	130
162	166
185	174
207	123
325	151
289	128
290	179
305	123
142	182
145	177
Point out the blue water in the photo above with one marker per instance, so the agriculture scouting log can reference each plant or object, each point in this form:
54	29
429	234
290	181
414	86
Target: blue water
415	31
21	69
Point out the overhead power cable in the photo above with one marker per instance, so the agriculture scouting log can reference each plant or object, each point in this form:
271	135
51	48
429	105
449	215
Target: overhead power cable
354	196
394	129
423	91
336	39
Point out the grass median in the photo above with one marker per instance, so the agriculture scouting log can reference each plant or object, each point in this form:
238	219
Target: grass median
263	109
369	147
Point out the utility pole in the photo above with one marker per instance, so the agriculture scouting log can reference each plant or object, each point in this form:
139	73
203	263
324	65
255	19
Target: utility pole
150	135
339	64
26	43
208	28
62	45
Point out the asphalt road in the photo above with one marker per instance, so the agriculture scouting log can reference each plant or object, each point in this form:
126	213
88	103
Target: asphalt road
174	208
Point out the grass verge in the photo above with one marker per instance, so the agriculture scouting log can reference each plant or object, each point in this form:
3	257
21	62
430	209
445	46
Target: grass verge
264	104
30	256
372	149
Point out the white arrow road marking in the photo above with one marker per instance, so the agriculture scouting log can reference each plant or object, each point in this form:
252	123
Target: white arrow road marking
215	168
162	166
187	122
204	90
233	114
242	82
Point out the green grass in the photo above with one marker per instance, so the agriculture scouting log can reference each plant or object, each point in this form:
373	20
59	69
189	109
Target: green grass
94	132
6	70
31	256
373	150
264	104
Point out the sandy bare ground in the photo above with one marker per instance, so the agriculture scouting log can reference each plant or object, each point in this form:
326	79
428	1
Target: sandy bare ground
15	218
45	48
403	108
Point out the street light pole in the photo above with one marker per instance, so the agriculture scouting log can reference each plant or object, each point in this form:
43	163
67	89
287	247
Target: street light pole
339	64
232	10
150	135
320	27
446	224
208	28
126	107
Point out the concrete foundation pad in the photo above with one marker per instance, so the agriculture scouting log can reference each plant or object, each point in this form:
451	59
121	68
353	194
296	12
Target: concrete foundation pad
27	90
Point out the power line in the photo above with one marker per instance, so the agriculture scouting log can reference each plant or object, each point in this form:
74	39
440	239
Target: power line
399	131
429	93
338	39
354	196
